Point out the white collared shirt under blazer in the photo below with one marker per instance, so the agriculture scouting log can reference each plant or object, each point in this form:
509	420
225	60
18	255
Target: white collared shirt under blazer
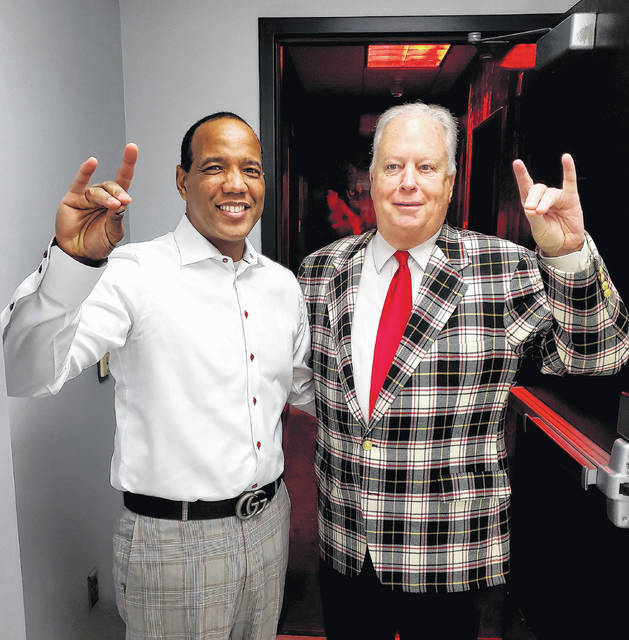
205	354
422	483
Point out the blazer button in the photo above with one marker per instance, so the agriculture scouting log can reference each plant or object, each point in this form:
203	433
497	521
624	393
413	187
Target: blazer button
367	444
607	293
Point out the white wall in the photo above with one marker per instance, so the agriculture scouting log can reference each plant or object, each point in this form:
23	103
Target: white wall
183	60
11	602
62	100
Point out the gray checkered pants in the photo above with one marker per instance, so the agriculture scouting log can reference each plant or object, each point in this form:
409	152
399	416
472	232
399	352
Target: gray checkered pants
202	579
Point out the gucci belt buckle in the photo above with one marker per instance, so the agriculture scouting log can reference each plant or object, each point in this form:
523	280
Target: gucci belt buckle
251	503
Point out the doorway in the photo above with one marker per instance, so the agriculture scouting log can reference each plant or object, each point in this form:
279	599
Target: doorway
319	101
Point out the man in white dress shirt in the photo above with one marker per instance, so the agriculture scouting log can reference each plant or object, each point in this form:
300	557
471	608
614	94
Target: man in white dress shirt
208	341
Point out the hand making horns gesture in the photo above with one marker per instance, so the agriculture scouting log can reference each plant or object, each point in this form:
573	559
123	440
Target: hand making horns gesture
89	220
555	215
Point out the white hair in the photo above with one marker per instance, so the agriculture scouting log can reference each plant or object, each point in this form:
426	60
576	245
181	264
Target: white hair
434	111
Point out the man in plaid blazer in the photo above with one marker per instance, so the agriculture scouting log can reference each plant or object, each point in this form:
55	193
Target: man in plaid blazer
413	492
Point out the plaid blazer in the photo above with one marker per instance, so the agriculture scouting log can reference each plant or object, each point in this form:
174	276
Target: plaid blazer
422	483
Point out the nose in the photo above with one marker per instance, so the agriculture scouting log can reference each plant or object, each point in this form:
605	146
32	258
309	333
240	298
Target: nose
408	178
234	182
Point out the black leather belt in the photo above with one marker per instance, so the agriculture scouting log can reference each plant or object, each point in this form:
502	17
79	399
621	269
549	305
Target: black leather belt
244	506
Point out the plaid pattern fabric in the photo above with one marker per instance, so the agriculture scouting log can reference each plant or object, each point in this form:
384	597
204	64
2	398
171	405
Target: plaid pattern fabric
217	579
429	494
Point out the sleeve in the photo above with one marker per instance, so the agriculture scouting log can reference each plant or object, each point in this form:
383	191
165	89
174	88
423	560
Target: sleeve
63	318
302	390
573	322
577	261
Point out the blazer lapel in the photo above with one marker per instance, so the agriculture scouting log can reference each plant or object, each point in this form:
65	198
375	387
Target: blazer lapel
441	289
341	301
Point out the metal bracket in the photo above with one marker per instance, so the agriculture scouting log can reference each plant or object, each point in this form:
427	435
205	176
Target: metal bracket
576	33
613	481
475	37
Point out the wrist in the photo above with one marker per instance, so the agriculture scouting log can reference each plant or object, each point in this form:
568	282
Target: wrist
82	259
563	251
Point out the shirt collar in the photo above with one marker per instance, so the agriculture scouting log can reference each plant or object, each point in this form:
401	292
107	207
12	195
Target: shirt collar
193	247
383	251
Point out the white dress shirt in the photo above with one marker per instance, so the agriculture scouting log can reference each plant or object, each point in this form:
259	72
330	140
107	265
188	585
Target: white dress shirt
204	352
378	270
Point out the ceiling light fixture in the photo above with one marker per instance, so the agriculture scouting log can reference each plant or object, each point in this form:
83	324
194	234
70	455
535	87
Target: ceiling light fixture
406	56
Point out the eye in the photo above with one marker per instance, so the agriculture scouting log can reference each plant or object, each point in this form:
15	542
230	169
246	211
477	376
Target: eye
212	168
425	167
391	166
254	172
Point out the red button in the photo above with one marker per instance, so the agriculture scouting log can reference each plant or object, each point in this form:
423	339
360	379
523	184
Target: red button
46	253
253	486
259	444
246	314
225	260
251	357
255	401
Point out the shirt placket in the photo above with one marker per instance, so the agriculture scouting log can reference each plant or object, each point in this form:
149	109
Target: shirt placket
254	400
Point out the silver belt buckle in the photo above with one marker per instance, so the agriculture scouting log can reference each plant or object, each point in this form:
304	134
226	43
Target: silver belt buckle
251	503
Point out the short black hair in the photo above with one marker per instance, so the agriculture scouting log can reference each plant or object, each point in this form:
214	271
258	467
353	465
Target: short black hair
186	152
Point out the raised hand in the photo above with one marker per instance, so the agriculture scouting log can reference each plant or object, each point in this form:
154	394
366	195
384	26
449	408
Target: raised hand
555	215
89	221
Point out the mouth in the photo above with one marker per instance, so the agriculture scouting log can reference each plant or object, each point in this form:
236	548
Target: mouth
408	205
234	208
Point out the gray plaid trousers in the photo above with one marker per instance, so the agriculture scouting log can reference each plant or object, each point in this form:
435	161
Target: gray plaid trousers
202	579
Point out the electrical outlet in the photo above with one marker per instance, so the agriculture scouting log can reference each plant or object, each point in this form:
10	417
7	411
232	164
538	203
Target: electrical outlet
92	587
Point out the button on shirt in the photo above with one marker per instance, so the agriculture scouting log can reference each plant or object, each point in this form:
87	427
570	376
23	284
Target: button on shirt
205	354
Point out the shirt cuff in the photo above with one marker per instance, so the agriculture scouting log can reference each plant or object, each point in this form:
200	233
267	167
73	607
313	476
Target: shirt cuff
571	262
66	280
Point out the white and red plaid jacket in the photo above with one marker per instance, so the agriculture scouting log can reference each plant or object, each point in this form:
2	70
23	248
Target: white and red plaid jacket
423	482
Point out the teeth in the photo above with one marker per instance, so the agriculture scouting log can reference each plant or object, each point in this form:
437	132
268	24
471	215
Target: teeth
232	208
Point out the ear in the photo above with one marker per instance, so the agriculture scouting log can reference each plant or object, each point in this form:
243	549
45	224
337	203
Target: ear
451	185
182	178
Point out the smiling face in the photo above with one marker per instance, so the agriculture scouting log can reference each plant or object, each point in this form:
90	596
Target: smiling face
224	188
410	185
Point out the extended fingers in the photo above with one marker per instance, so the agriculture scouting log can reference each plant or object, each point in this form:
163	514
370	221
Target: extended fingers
569	173
127	165
83	175
523	179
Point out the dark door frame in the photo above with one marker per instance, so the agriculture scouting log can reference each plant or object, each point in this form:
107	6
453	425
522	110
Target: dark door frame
273	33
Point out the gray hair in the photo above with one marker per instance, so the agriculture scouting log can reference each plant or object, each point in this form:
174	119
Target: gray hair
434	111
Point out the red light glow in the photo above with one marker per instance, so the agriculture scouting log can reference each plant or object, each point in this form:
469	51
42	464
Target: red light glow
406	56
522	56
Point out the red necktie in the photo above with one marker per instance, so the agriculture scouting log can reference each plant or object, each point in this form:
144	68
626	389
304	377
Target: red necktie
393	320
